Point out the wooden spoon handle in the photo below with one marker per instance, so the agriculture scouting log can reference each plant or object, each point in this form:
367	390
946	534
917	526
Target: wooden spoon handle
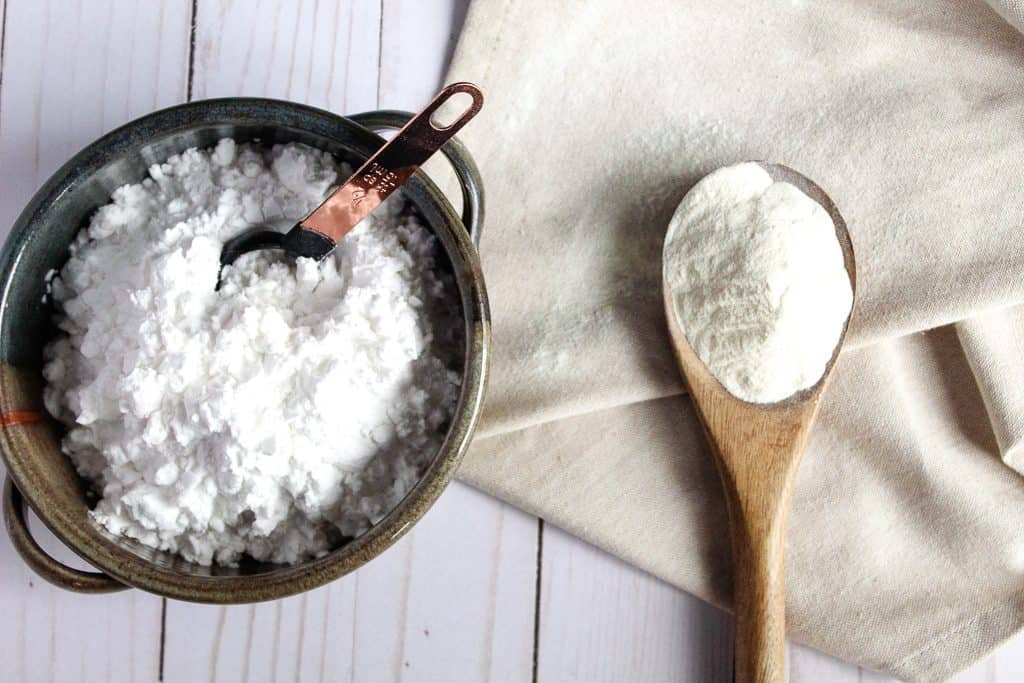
758	527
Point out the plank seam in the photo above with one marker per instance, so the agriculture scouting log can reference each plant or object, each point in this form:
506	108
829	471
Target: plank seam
380	51
3	44
536	596
191	50
188	98
163	638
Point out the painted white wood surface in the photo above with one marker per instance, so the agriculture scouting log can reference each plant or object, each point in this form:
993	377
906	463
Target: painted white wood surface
455	600
71	71
451	601
604	621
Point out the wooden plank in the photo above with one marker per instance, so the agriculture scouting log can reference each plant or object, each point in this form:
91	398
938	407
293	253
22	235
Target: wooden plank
453	600
603	620
72	71
63	637
417	39
471	592
51	634
320	53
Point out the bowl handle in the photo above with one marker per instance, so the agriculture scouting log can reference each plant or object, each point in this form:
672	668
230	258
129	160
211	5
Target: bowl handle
458	156
58	574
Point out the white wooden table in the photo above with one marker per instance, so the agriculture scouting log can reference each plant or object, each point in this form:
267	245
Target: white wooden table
478	591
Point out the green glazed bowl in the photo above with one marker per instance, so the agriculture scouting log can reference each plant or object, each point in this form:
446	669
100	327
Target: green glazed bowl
44	478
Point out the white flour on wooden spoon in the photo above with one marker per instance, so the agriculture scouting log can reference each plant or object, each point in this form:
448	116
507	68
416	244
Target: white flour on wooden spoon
758	282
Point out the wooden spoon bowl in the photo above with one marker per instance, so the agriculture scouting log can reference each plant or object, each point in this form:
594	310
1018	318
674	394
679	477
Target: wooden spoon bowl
758	448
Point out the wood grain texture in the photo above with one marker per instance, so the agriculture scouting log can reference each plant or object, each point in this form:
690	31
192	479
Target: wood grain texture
453	600
758	451
318	52
70	72
104	63
603	620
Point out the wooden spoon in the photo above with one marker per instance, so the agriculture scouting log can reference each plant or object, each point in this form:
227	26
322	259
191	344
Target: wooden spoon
757	450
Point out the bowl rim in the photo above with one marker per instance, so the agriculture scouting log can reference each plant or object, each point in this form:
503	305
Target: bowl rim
130	568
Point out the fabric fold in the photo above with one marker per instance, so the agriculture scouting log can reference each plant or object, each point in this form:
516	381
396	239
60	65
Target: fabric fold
994	345
1011	10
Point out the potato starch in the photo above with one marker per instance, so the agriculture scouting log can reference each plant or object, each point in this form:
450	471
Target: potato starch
295	406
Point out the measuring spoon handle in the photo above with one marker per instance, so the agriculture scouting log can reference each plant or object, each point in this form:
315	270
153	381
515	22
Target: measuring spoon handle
389	167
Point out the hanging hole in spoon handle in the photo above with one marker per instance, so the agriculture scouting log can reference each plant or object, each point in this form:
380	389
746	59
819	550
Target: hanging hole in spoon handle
389	167
456	108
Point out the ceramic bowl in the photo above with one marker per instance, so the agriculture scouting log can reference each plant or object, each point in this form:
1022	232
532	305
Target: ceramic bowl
43	477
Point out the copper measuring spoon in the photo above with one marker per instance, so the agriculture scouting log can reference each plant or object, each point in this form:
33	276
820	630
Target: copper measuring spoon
316	235
757	449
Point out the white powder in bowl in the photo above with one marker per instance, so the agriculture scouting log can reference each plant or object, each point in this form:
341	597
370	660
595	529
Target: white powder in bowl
757	281
292	408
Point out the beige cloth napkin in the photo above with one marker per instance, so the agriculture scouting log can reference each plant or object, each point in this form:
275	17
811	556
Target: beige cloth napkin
906	543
